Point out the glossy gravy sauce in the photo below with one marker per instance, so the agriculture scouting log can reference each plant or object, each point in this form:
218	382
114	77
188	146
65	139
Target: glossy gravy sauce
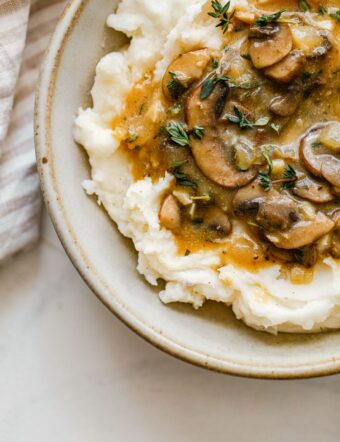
152	154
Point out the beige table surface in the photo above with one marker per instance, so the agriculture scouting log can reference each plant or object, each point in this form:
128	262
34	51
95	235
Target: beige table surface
71	372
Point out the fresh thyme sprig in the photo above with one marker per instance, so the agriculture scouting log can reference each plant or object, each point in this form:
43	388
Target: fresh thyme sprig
323	10
209	84
175	88
266	19
288	180
265	181
177	133
336	15
290	177
181	178
221	13
198	132
241	119
304	6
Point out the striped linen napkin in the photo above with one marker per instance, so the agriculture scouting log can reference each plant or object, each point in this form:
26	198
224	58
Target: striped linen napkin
25	26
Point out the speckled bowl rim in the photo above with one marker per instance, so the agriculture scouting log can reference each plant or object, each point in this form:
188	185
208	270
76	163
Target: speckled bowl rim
71	243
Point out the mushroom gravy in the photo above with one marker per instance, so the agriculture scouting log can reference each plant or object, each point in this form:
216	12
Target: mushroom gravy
252	137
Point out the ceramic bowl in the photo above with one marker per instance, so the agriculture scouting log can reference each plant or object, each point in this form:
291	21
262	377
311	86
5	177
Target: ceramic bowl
210	337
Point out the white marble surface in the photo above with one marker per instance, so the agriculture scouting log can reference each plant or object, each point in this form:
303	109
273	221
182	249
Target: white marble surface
71	372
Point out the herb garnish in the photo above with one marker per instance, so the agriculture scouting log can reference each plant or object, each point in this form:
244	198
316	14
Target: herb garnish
177	133
241	119
304	6
198	132
323	10
175	109
205	197
290	177
336	15
276	128
174	86
221	13
209	84
265	181
288	180
316	144
266	19
181	178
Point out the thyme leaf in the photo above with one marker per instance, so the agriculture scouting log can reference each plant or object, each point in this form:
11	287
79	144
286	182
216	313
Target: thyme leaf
323	10
266	19
221	13
209	84
181	178
198	132
265	181
336	15
174	86
177	133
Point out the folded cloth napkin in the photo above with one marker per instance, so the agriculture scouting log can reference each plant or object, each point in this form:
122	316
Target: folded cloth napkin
25	26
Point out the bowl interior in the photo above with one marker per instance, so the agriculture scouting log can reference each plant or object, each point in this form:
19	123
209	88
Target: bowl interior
211	337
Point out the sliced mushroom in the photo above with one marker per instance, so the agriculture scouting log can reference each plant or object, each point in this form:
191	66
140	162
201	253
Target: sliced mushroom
330	137
336	218
184	71
302	233
314	191
287	69
270	30
213	157
265	52
277	213
271	210
217	223
247	201
307	256
286	105
312	41
317	158
170	213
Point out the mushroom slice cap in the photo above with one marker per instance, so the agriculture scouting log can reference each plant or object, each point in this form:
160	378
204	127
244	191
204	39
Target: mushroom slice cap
170	213
314	191
313	42
302	233
317	158
287	69
216	222
247	201
330	137
277	213
330	170
213	157
268	51
286	105
188	68
336	218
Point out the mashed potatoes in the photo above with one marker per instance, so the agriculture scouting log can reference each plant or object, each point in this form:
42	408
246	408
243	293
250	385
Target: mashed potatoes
159	31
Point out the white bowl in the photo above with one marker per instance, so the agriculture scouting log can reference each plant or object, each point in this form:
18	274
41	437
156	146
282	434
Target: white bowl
211	337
